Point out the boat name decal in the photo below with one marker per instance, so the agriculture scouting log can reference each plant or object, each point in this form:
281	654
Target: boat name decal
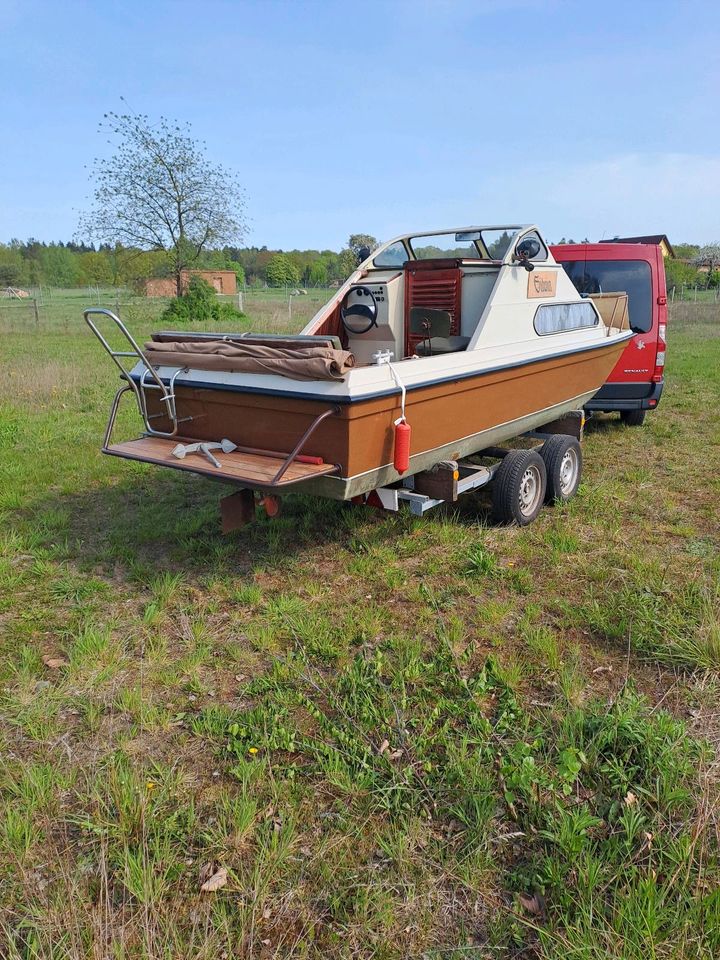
542	283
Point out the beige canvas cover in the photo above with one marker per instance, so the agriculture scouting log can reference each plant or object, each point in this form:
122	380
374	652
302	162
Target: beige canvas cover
298	363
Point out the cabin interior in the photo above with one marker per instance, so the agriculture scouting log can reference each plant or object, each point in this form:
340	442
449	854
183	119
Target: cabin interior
428	307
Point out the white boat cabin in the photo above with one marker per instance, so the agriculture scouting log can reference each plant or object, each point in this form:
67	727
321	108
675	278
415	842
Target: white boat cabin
450	291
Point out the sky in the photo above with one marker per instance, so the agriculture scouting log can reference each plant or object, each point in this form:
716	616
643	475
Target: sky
588	118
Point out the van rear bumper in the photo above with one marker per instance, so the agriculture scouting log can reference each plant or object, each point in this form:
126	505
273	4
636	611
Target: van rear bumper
626	396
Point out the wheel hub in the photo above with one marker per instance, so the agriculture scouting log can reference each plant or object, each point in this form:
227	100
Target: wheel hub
530	489
568	471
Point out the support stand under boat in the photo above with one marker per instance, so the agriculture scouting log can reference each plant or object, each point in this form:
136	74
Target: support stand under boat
240	508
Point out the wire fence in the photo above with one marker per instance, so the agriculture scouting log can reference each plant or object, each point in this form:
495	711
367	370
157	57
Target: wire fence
693	293
270	308
280	308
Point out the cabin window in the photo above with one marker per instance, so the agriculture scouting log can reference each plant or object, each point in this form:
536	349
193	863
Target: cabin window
613	276
464	245
561	317
497	242
394	256
443	246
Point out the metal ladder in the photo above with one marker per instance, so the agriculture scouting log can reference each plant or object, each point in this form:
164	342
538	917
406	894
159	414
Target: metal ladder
167	391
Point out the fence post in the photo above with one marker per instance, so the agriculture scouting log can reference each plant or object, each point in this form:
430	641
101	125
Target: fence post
695	293
240	301
35	308
672	295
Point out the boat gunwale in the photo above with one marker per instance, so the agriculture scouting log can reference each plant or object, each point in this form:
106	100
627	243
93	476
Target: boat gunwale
386	392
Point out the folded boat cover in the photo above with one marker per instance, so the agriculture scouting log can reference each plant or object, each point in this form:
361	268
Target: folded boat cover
298	363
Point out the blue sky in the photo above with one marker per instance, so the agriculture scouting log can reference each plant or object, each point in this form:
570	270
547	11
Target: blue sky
588	118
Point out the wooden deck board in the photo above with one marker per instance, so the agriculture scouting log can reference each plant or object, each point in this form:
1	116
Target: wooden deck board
236	467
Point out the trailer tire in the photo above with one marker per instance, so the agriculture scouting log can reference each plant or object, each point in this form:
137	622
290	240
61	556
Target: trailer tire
563	461
632	418
518	489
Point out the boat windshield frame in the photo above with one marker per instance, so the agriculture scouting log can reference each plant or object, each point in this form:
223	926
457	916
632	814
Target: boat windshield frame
476	235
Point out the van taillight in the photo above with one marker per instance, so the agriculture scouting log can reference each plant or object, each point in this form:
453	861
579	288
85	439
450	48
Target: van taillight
660	355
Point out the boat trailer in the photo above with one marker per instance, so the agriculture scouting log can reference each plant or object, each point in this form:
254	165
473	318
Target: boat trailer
548	470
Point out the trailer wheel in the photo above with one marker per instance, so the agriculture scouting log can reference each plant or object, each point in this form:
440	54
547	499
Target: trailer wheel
518	488
563	462
632	418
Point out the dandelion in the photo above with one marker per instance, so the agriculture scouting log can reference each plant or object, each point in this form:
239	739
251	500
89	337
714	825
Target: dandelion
150	784
252	750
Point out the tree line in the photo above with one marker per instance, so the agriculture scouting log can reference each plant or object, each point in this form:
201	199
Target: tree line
30	263
693	266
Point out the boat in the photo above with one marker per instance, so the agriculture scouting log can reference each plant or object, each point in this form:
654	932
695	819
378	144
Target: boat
439	345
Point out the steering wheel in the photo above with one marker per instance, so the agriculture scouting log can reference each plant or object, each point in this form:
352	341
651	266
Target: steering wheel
358	318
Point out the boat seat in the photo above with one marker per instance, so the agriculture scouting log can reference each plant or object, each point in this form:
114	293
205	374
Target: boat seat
437	345
434	326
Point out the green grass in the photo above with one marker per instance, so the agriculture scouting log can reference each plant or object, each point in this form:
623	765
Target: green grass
399	736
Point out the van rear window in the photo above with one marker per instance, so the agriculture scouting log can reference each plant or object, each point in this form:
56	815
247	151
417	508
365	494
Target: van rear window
613	276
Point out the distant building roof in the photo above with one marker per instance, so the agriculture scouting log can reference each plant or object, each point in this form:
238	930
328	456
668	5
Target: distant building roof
659	239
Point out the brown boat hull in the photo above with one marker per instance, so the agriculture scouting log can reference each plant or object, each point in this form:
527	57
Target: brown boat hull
449	419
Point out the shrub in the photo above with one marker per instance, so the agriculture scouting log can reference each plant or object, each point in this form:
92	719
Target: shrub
200	304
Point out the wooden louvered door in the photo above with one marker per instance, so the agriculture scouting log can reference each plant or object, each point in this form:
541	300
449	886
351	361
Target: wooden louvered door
437	289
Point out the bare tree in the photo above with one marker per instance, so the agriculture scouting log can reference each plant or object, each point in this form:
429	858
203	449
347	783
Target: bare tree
159	191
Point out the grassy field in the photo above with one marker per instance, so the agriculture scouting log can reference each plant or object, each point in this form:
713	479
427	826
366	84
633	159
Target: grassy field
368	736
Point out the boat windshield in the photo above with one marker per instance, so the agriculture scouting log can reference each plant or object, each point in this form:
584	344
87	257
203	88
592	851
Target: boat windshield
466	244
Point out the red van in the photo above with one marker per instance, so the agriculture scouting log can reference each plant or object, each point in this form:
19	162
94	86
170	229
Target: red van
636	383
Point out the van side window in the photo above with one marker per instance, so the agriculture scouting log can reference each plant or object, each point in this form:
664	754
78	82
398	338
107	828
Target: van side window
561	317
615	276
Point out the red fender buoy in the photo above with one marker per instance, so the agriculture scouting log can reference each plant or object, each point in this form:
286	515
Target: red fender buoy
401	460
